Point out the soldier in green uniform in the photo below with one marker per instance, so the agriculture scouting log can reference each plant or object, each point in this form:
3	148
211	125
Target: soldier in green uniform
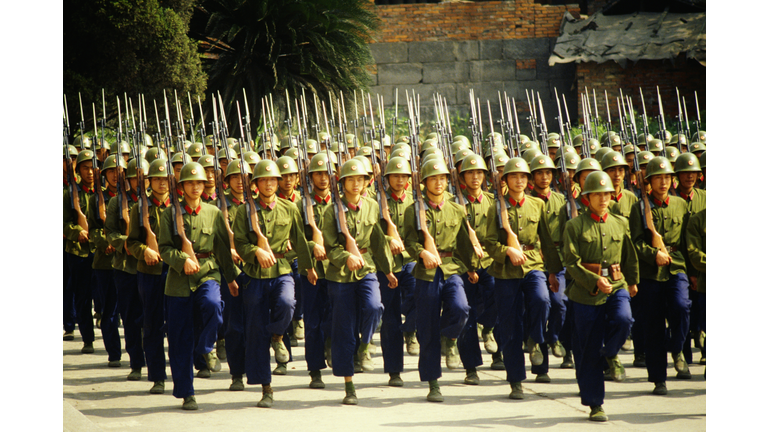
616	167
663	280
209	192
192	288
102	266
519	273
79	255
352	284
124	264
268	299
601	259
438	277
696	242
151	274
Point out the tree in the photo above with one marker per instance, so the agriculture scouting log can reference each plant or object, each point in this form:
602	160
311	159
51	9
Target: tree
131	46
271	45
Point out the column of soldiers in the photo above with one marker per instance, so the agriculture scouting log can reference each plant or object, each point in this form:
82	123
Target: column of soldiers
548	253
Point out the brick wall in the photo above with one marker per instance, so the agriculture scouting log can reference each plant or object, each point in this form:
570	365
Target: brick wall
687	75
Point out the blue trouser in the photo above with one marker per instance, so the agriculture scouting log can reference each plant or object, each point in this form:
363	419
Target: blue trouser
352	302
664	300
317	322
69	299
234	336
151	291
129	305
638	327
468	344
698	302
298	312
513	296
80	273
205	305
431	297
109	332
267	310
408	301
391	325
226	300
557	312
599	332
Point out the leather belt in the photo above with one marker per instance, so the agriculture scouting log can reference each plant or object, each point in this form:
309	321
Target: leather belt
445	254
202	255
363	250
528	247
278	255
671	249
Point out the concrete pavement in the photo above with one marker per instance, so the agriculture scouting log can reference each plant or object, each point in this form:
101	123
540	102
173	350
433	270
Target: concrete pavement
100	398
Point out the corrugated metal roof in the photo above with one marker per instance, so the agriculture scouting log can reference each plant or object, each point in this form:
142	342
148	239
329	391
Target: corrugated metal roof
638	36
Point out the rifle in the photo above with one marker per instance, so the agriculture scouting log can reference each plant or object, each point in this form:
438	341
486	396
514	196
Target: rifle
698	116
141	191
543	127
570	203
247	122
568	121
531	115
394	117
608	111
687	124
663	131
74	194
100	205
680	130
306	181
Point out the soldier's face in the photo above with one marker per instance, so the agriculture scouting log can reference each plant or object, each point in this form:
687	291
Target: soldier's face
598	202
320	180
287	182
542	178
210	174
552	152
660	184
236	183
267	186
616	174
398	182
159	185
516	182
224	163
86	171
111	176
354	185
193	189
687	179
474	179
436	184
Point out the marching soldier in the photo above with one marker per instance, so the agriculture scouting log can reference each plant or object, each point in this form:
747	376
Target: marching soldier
602	261
696	241
192	288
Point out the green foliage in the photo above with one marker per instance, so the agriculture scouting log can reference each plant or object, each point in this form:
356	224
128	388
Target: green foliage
272	45
128	47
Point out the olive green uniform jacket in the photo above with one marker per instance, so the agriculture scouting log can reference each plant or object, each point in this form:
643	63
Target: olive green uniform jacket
137	235
101	260
114	229
668	220
696	240
71	228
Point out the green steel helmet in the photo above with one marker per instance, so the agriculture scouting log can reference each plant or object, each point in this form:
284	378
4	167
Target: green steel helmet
701	136
288	142
612	140
234	168
232	142
587	164
350	139
99	144
365	151
387	141
629	148
366	162
433	168
397	165
311	146
461	155
334	159
516	165
473	162
208	141
266	168
334	146
353	167
578	140
187	144
234	151
657	166
675	138
131	171
430	158
192	171
488	151
541	162
72	150
319	163
594	145
597	181
177	158
697	147
401	146
703	160
403	139
613	159
644	157
376	144
655	145
83	156
642	139
206	161
524	138
428	144
83	142
222	154
495	138
566	148
293	153
602	151
461	138
672	153
287	165
403	153
531	153
154	153
500	160
110	163
431	150
527	145
325	137
572	160
667	136
148	140
553	134
158	168
687	162
458	145
553	142
196	150
125	148
432	135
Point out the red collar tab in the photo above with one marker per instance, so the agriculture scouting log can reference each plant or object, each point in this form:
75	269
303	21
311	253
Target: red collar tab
688	197
236	201
66	183
463	187
268	206
87	190
157	202
616	197
398	198
529	186
180	191
353	207
473	199
111	194
194	212
584	201
292	198
209	197
575	193
597	218
436	206
659	203
544	197
516	203
325	200
365	193
134	197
